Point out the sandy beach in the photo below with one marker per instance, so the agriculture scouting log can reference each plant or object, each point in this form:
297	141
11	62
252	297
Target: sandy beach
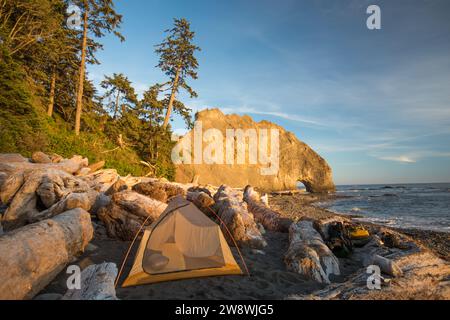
268	276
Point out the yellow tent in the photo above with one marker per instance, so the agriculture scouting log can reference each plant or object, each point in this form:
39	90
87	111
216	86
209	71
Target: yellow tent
183	243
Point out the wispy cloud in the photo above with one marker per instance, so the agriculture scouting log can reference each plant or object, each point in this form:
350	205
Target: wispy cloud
403	159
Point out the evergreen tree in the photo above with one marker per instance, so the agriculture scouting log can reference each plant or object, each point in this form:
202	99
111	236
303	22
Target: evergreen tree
119	92
177	61
98	17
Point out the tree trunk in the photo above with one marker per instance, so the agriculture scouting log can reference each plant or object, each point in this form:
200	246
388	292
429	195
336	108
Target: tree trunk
116	107
52	95
31	257
172	99
81	74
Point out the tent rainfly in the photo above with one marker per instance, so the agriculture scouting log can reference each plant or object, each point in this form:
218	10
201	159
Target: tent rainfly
183	243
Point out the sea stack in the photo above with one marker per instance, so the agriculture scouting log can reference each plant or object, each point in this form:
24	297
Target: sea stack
297	162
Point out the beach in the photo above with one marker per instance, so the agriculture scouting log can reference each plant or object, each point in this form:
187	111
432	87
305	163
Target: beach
268	277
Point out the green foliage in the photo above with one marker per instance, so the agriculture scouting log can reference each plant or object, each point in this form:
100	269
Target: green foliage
40	61
177	61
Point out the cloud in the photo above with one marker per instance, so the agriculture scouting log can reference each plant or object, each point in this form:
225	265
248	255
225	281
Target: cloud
403	159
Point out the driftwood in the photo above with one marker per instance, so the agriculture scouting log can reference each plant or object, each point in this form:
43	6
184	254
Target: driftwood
323	225
22	191
232	210
97	166
31	257
200	199
12	157
84	201
286	193
160	190
308	254
40	157
97	283
270	219
119	186
126	213
102	180
71	166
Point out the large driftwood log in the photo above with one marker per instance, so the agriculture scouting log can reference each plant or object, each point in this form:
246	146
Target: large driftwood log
308	254
270	219
160	190
71	166
31	257
126	213
97	283
231	208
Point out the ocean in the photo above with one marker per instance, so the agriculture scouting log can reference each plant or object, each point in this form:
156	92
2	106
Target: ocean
420	206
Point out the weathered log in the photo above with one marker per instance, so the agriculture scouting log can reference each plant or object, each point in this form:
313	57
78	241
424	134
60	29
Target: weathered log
286	193
97	166
200	199
152	190
71	166
308	254
323	225
31	257
160	189
232	210
10	186
84	201
40	157
126	213
102	180
12	157
386	265
270	219
119	186
97	283
23	203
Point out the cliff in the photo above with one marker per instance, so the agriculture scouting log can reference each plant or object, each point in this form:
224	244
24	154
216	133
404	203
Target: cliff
297	161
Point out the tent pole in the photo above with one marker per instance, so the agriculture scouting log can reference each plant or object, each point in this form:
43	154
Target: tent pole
232	238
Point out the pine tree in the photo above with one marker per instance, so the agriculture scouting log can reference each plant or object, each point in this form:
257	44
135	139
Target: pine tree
119	92
98	17
177	61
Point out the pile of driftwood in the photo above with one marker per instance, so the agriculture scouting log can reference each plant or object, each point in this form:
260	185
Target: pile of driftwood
47	203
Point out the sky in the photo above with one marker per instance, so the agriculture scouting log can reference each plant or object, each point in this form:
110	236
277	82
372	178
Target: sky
374	103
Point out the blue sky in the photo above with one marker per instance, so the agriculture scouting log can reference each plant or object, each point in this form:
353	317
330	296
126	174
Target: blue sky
374	103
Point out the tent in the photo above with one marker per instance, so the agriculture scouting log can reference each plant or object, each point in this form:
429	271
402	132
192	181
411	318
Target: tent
183	243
